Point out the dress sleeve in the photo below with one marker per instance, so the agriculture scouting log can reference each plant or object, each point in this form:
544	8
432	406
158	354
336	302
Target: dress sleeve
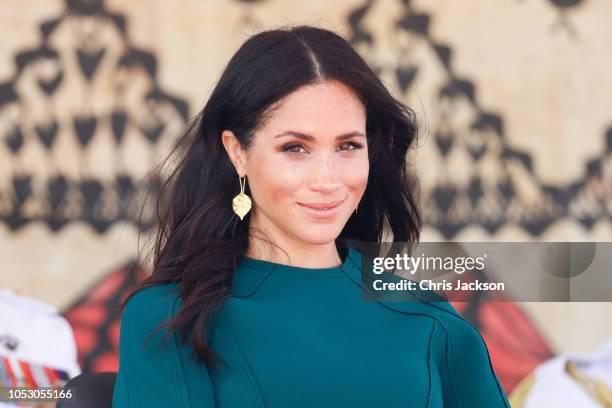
467	374
152	374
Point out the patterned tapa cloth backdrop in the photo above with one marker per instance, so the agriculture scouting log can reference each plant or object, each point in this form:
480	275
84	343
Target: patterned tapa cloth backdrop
515	136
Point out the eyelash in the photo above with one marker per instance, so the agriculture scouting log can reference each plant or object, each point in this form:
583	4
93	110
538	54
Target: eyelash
287	147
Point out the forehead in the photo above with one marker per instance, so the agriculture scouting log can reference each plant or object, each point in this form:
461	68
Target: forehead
326	108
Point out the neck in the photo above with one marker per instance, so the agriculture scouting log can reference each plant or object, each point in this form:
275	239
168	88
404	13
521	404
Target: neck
285	250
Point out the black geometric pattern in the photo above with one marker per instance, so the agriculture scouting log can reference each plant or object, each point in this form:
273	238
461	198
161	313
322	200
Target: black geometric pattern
502	187
83	120
70	100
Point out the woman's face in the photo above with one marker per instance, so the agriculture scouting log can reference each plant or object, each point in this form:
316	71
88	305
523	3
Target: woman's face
311	153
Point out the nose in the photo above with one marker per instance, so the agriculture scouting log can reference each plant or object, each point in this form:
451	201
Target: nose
324	174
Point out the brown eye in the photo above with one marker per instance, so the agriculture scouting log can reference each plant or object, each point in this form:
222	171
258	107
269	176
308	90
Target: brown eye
292	148
352	146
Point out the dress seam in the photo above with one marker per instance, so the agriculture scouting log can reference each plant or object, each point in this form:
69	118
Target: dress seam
178	377
448	372
133	395
309	275
499	387
433	329
246	374
492	372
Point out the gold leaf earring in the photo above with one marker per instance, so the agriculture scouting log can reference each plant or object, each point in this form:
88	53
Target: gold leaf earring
242	202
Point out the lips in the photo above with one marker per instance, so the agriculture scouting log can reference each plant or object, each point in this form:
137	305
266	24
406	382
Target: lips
322	211
322	206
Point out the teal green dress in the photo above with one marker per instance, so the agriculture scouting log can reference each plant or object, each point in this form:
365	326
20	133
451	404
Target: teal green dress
305	337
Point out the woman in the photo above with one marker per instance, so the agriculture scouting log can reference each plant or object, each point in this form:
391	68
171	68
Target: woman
299	151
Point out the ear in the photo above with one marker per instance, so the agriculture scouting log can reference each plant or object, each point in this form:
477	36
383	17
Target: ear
234	151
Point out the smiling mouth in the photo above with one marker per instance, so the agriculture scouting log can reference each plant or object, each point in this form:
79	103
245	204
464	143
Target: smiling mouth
322	206
322	211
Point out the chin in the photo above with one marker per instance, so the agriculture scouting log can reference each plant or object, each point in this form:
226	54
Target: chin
319	234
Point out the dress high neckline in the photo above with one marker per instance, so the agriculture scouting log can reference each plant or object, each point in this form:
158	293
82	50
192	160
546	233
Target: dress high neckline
248	262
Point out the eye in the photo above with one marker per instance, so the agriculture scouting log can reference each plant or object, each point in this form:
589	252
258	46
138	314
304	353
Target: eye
292	148
352	145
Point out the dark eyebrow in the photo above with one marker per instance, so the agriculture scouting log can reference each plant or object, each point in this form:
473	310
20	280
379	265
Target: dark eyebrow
311	138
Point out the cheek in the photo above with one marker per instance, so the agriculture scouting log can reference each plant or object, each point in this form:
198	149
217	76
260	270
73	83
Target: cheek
274	182
355	175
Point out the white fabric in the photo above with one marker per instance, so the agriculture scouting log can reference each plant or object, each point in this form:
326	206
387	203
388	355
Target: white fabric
43	336
555	388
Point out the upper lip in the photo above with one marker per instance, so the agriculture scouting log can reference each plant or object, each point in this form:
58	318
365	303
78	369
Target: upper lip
323	205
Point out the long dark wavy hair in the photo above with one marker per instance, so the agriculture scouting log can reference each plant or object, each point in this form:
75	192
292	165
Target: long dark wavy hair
199	240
